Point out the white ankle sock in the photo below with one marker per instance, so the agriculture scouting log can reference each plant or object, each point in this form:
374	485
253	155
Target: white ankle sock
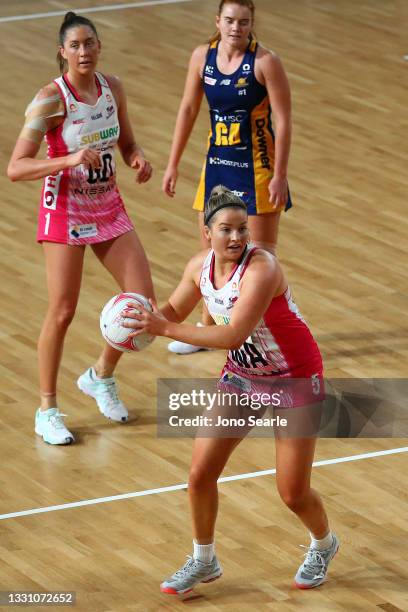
322	544
96	377
203	552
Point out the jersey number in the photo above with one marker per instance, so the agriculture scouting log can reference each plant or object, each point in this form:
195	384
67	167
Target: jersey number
248	356
227	135
102	175
47	223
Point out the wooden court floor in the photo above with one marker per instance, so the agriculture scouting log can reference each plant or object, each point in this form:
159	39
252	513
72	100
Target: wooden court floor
345	248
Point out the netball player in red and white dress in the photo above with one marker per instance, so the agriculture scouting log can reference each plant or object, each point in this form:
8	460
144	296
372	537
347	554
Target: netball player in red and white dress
82	115
247	294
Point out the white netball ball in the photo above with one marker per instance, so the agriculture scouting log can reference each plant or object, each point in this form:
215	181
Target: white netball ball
112	319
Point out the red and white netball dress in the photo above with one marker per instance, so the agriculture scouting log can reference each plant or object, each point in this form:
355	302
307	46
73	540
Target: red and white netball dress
281	346
80	205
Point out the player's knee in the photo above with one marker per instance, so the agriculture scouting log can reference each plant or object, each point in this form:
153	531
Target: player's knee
62	316
295	498
265	246
200	478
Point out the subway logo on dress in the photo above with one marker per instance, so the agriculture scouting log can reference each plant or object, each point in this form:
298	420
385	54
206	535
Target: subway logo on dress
99	136
220	319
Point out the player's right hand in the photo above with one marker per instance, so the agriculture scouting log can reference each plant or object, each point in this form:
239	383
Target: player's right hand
87	157
169	181
144	321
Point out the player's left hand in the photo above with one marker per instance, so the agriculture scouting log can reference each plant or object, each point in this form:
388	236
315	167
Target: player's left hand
142	167
144	321
278	191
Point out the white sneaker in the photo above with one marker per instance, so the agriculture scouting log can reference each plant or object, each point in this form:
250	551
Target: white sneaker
313	571
104	391
183	348
192	573
49	424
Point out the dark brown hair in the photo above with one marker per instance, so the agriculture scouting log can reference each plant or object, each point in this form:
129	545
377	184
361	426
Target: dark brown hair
248	3
221	197
71	20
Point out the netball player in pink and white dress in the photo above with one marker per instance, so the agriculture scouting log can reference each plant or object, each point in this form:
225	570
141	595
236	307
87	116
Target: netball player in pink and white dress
82	115
270	346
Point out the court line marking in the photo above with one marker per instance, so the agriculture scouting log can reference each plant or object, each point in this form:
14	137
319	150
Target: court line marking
102	500
94	9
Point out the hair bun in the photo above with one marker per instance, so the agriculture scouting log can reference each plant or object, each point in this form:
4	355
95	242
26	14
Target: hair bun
219	190
69	16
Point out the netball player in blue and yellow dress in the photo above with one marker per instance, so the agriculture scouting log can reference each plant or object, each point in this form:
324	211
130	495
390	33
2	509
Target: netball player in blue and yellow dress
242	81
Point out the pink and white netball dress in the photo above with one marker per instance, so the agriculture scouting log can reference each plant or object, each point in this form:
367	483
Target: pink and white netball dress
80	205
281	345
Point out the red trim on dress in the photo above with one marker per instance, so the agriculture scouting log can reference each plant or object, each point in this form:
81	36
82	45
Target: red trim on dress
62	98
98	86
76	94
211	272
59	215
251	253
235	268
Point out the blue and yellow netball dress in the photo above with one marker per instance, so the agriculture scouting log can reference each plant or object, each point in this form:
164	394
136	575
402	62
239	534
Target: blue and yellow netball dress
241	149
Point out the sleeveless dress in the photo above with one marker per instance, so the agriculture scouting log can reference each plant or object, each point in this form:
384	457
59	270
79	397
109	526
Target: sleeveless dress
241	148
80	205
280	347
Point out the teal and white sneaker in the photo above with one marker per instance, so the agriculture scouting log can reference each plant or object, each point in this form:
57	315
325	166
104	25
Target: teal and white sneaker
192	573
313	570
104	391
49	424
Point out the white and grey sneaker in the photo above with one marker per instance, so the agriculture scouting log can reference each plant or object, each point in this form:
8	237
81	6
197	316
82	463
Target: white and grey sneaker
192	573
183	348
105	392
313	570
49	424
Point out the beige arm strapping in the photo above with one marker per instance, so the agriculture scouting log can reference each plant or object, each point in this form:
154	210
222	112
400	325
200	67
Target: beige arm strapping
37	114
